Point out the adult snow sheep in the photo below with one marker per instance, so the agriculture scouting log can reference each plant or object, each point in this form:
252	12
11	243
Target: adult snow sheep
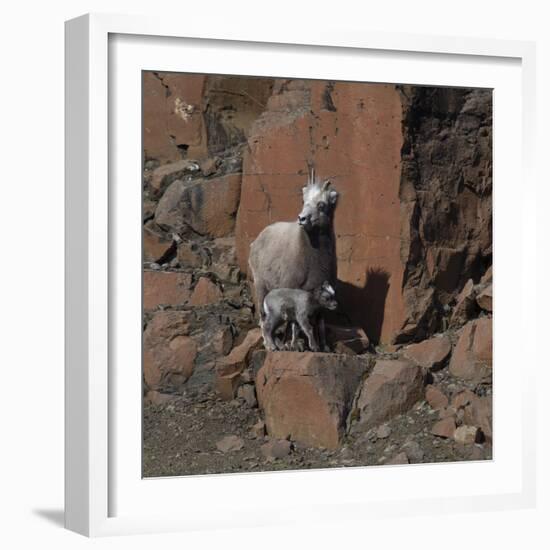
299	254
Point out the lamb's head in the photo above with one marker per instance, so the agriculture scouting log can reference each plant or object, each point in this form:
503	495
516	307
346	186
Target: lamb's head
319	204
326	296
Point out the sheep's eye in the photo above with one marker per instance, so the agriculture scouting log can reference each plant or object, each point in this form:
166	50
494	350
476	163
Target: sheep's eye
321	206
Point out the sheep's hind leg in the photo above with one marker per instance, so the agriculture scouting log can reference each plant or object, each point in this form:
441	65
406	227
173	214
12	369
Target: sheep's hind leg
260	292
307	327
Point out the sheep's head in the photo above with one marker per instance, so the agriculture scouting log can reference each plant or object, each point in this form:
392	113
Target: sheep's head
326	296
319	204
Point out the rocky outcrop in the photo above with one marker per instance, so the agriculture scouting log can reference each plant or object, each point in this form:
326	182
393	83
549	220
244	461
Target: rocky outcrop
473	355
446	202
169	352
306	396
207	207
430	354
392	388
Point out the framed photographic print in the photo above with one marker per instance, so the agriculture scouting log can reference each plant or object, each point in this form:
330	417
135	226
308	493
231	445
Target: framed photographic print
284	259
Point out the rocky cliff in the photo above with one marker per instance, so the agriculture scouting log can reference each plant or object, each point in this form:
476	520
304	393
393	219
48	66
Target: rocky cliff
225	156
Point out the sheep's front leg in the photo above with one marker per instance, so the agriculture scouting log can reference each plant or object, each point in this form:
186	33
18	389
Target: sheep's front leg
268	329
307	327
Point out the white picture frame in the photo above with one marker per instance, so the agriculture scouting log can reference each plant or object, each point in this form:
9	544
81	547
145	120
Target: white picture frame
103	495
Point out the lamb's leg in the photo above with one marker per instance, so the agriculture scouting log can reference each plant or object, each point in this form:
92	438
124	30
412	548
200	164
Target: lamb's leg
294	340
307	327
268	329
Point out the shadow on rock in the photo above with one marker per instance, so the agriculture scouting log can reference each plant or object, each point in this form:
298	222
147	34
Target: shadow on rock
364	306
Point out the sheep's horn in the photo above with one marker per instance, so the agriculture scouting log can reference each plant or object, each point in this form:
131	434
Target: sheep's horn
311	173
326	183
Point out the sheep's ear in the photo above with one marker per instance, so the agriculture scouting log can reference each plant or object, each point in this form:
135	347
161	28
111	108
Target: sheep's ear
333	196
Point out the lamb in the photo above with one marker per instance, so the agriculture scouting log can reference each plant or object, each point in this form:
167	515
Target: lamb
297	255
298	307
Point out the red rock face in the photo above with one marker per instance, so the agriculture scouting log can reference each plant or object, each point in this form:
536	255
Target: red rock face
352	132
205	292
172	116
165	288
207	207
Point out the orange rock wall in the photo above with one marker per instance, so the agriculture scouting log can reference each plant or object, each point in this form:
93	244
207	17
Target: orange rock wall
352	132
173	124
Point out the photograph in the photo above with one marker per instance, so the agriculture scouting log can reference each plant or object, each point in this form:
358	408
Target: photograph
316	274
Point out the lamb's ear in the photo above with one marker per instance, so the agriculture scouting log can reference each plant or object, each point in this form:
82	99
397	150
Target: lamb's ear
333	196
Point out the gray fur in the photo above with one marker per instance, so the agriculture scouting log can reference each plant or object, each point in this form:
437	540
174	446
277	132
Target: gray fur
298	307
297	255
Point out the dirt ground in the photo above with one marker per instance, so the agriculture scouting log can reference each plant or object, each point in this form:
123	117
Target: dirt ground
180	437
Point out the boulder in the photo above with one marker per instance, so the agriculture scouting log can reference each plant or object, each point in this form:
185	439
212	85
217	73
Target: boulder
207	207
447	412
230	443
164	175
479	412
430	354
156	247
413	451
436	398
229	368
392	388
205	292
258	430
485	298
466	305
307	396
400	458
237	360
473	355
189	255
165	288
468	435
487	277
223	341
168	352
463	398
157	398
383	431
277	448
444	428
247	392
227	385
209	166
